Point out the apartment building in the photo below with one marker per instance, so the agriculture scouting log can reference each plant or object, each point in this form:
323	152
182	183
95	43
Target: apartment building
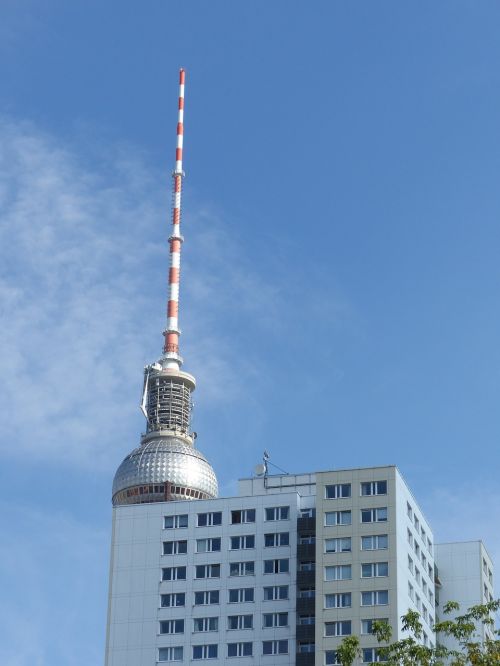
277	575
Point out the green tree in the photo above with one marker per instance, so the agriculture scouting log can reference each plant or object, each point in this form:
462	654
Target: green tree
410	651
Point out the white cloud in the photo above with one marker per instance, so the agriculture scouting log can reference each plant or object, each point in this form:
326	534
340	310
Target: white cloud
84	260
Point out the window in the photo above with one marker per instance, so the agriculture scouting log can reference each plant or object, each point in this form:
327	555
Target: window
306	646
423	534
172	599
173	573
375	598
416	522
241	594
307	539
277	513
174	547
367	625
276	620
418	603
338	491
174	522
274	647
411	592
409	537
424	587
308	513
417	549
208	519
207	571
306	593
307	619
371	655
205	651
206	598
430	571
172	627
208	545
240	622
275	592
425	613
239	649
340	628
423	559
418	578
374	570
429	545
307	565
242	542
276	539
410	564
338	572
202	624
331	658
378	515
171	654
241	568
409	511
338	600
337	518
340	545
431	598
276	566
374	488
243	516
375	542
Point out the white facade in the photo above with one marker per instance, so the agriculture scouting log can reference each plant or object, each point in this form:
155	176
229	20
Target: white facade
281	573
139	595
465	574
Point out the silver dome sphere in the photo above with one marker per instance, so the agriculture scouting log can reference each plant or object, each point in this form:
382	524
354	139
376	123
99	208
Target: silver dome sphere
165	460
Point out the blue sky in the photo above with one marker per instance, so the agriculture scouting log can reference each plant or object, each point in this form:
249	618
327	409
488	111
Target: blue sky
340	271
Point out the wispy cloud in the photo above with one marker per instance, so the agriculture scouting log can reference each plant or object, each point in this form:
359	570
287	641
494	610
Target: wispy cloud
82	294
74	289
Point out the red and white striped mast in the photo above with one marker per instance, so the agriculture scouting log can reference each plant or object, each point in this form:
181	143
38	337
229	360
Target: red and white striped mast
171	357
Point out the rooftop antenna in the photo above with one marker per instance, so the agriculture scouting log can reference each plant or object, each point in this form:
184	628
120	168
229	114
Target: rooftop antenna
263	468
171	357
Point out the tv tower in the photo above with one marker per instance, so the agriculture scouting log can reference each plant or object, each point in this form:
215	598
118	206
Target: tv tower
167	465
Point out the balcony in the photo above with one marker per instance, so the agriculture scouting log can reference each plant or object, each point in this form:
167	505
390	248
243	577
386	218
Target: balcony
306	551
306	525
306	578
304	659
305	632
306	606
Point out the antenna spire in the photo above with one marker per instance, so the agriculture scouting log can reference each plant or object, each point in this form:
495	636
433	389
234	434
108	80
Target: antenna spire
171	357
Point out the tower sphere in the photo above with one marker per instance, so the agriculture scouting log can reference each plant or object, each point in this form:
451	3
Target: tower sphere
161	469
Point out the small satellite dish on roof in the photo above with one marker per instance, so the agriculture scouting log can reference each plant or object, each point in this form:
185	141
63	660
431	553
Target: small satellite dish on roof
260	470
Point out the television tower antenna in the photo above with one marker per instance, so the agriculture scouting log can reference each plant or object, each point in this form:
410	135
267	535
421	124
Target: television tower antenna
171	357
